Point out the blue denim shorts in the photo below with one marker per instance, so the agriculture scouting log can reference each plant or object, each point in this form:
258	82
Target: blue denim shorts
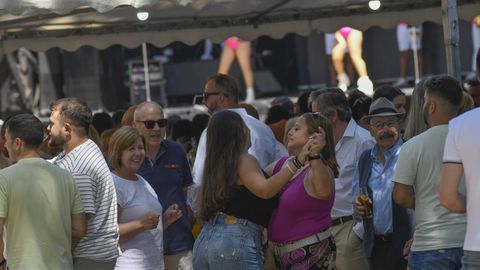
441	259
228	243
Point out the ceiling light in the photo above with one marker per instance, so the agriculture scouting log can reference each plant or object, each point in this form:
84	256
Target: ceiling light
142	16
374	4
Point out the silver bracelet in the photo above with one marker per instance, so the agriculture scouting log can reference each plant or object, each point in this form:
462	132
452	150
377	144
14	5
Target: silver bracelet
289	168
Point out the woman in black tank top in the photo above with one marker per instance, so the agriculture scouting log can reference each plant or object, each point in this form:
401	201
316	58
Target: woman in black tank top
237	199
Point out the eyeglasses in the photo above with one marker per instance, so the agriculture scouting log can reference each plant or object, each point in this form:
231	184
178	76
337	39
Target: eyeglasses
380	125
150	124
207	94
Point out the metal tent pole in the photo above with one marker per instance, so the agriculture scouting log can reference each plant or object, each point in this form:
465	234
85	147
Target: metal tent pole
145	71
451	37
415	55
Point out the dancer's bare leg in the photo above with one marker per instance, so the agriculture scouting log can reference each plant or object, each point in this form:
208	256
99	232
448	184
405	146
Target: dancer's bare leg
354	43
226	60
243	56
338	52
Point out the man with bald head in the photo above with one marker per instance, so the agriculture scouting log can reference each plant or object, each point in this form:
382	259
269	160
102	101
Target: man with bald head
167	170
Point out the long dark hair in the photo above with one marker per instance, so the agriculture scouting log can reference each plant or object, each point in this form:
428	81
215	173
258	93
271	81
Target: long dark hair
313	121
226	141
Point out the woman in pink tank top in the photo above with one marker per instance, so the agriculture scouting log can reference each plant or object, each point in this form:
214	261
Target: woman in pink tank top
299	231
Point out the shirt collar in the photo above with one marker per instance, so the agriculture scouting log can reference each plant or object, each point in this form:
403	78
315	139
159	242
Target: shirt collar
163	148
74	150
393	151
240	111
348	133
351	128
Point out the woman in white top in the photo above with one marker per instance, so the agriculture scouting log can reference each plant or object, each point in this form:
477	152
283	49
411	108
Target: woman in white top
141	229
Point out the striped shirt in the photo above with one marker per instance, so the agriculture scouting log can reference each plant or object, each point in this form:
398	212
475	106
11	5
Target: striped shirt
97	192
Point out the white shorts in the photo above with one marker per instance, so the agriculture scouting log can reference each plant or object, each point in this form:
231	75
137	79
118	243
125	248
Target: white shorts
330	42
405	37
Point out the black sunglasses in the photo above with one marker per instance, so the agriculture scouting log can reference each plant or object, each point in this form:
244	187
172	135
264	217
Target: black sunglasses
150	124
207	94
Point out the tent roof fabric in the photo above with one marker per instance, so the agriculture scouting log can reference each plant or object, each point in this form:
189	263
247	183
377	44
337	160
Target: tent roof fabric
69	24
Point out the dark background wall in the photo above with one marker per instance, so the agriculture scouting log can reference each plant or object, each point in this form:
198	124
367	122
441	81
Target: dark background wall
294	62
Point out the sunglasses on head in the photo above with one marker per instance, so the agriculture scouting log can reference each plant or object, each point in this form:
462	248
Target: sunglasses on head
150	124
319	116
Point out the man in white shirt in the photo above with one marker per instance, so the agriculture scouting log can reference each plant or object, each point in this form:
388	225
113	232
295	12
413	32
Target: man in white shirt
439	233
461	156
222	92
351	141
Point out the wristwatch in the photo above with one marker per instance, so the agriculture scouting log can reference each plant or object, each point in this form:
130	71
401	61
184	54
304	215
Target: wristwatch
319	156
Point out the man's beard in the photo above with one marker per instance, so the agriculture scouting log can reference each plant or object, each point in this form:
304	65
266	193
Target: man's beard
213	109
55	142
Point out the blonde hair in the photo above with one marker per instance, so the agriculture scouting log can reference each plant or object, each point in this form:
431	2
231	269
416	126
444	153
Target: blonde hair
415	122
121	140
289	125
315	120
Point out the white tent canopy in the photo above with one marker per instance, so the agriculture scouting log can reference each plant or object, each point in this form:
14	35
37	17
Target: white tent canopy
69	24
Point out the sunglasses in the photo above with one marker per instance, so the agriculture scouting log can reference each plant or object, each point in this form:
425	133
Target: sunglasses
207	94
380	125
150	124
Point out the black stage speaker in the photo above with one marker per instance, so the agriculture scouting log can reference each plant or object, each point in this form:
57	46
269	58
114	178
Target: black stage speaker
265	83
188	78
82	78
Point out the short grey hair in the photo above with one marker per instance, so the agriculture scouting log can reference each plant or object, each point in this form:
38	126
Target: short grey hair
334	99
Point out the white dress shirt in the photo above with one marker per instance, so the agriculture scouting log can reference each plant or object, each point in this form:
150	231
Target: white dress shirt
265	148
354	142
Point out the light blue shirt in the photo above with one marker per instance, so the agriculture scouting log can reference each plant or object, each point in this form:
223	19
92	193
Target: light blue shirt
381	184
354	142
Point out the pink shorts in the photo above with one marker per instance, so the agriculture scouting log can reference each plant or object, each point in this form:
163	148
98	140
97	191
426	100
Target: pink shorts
232	42
345	31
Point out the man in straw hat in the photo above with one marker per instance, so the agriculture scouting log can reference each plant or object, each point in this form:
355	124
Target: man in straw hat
386	228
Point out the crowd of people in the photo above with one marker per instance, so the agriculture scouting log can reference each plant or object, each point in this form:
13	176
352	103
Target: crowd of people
339	180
